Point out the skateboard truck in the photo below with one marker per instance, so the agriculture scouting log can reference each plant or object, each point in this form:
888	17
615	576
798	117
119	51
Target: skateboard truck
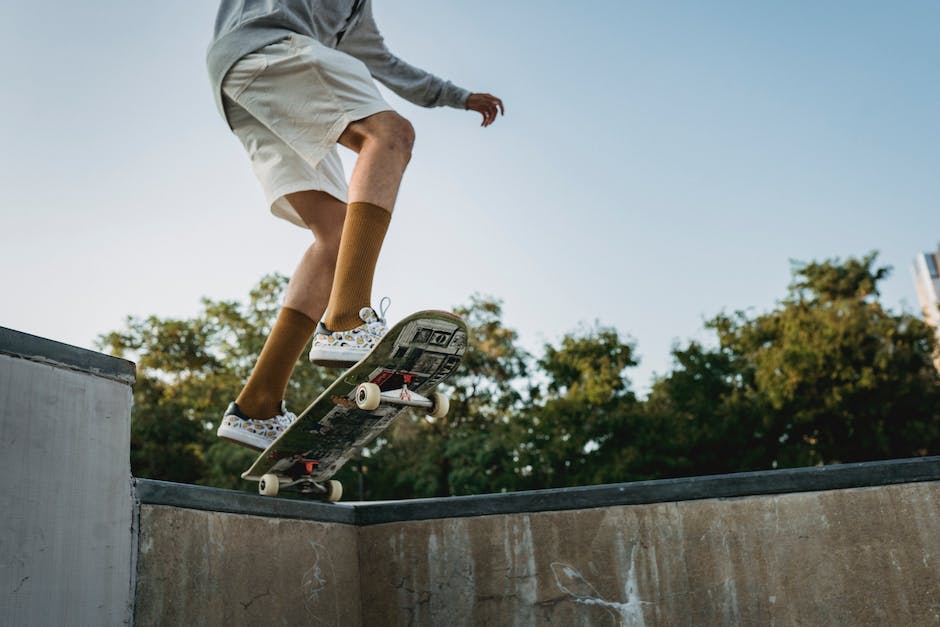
299	479
370	396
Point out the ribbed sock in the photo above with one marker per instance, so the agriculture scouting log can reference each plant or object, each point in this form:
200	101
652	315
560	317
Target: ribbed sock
363	233
261	398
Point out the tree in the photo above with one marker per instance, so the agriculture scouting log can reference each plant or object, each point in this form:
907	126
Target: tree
582	427
828	376
704	418
846	380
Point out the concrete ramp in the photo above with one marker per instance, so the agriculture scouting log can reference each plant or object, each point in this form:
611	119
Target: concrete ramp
854	544
842	545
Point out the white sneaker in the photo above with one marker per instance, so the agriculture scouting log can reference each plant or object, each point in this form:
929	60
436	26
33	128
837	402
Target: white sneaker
341	349
238	428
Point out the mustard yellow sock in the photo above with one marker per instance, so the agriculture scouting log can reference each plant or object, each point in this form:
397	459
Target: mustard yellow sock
363	233
261	398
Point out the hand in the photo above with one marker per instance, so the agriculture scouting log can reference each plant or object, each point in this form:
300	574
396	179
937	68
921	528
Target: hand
486	105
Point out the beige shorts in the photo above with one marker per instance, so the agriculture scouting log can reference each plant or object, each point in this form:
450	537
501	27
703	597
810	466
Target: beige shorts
288	103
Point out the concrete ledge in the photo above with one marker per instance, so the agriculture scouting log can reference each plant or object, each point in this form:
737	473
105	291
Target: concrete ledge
39	349
150	492
843	476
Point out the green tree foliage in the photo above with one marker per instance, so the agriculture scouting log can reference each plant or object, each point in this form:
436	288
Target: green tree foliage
583	420
705	421
844	380
827	376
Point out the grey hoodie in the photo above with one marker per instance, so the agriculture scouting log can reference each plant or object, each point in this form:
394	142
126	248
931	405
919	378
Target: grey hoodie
243	26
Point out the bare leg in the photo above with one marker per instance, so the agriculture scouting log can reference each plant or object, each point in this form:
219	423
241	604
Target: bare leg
310	285
304	303
384	142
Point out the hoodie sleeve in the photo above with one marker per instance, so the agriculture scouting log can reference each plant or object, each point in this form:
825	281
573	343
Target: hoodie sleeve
364	42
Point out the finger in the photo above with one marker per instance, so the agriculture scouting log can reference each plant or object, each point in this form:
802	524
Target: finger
496	103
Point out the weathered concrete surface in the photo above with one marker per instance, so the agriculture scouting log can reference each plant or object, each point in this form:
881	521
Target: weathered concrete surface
209	568
66	505
649	553
847	557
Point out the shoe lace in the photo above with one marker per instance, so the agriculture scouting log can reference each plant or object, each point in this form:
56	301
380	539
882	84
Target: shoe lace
380	326
384	304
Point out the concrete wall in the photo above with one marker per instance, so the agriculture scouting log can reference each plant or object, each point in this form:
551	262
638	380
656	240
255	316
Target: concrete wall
852	557
797	547
210	568
66	502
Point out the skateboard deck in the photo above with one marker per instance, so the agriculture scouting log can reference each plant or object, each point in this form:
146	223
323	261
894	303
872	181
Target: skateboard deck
402	371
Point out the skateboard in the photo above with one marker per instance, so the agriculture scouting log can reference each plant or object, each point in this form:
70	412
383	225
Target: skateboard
401	371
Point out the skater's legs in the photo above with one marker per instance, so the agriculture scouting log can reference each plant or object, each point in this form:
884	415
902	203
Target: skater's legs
384	142
309	287
304	303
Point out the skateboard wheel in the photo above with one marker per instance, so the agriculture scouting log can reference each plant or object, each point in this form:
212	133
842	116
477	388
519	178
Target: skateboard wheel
368	396
269	484
440	403
334	491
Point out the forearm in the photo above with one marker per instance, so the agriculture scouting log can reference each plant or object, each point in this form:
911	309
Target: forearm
411	83
416	85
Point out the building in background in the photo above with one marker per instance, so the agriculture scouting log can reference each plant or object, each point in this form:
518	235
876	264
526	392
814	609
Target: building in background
927	280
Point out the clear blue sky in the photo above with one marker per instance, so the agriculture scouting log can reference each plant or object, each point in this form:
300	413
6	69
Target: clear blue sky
659	162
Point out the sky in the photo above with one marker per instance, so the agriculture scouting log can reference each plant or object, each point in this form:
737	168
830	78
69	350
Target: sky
659	163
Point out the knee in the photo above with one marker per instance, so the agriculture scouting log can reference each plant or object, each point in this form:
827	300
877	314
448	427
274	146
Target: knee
406	135
396	134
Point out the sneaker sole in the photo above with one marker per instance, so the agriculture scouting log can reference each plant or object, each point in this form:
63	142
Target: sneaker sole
233	440
328	363
337	358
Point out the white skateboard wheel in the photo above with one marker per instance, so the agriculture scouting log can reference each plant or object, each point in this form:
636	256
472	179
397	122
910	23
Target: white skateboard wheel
269	484
440	403
334	491
368	396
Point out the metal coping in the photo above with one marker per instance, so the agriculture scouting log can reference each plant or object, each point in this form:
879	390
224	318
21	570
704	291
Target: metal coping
42	350
836	477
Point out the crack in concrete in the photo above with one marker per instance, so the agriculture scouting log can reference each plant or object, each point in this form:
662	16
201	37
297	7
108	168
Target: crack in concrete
245	606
